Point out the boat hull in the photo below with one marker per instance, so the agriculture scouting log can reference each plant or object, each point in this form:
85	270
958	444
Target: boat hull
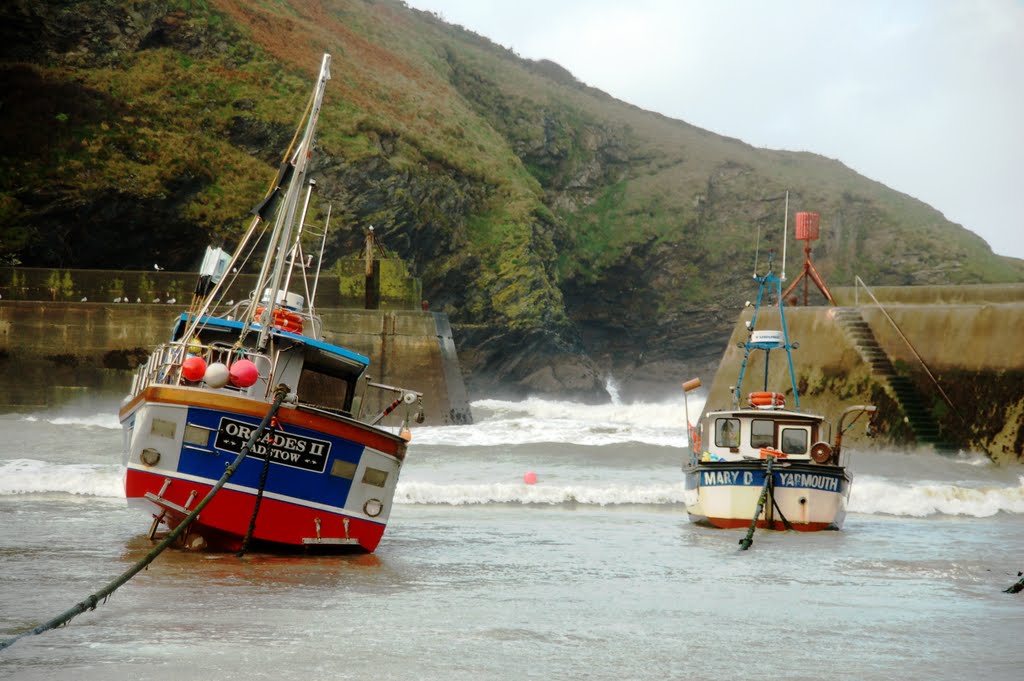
282	525
329	483
810	497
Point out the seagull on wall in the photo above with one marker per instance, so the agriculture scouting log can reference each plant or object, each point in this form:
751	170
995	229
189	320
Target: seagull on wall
157	267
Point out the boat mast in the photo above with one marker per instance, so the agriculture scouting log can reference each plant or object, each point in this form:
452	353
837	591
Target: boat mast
284	224
769	279
785	235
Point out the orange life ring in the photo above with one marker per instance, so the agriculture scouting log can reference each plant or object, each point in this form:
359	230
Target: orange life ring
284	319
766	399
768	451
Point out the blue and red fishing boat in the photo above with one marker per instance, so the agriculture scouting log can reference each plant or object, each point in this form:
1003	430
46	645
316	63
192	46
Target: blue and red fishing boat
321	475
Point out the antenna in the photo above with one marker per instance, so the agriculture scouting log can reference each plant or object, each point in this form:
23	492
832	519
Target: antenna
785	233
757	248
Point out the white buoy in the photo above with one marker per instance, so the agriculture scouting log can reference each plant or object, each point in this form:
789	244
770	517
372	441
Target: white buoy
217	375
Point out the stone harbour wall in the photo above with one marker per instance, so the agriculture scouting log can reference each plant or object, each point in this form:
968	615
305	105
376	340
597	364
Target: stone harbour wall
51	352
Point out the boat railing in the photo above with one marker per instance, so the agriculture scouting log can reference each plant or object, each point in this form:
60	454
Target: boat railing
312	325
164	366
857	284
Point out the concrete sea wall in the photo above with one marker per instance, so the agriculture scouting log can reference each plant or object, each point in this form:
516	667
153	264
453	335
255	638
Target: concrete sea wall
51	352
969	339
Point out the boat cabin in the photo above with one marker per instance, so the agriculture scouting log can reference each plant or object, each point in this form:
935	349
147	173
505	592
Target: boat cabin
744	433
322	376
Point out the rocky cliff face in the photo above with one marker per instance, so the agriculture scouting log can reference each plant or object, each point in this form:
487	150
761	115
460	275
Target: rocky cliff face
568	236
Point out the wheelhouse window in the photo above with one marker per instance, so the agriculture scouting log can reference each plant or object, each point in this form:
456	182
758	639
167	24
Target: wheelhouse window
794	440
762	433
727	433
323	390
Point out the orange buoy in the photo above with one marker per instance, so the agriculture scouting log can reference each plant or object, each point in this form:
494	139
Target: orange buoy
769	452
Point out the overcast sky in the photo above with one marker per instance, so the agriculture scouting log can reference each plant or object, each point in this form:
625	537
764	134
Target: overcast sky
925	96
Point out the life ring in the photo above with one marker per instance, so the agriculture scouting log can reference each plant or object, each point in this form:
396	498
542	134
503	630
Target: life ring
774	453
284	319
766	399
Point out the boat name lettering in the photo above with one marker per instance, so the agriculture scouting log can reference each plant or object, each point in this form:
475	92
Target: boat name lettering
810	481
726	478
285	448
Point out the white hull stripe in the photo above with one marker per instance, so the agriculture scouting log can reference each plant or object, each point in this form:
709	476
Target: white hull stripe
247	490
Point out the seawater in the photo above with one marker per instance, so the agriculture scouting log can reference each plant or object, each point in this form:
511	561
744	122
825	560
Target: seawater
594	572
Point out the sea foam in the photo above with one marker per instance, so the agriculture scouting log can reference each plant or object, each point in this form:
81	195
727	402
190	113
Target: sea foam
873	495
29	476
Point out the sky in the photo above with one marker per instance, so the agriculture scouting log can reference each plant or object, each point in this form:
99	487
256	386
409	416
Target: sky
924	96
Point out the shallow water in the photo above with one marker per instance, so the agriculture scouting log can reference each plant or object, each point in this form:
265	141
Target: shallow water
592	573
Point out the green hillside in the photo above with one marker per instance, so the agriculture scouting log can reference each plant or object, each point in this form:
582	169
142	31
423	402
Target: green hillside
566	234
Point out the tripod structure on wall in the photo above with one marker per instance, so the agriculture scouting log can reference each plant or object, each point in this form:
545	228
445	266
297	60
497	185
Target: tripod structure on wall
807	231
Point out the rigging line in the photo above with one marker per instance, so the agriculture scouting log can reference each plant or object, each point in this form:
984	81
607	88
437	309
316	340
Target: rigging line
92	601
213	294
237	271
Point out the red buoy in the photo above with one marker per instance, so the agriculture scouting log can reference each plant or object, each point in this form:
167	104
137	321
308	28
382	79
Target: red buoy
193	368
243	373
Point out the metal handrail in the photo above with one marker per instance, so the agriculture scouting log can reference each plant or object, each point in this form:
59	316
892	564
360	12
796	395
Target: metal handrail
164	365
857	281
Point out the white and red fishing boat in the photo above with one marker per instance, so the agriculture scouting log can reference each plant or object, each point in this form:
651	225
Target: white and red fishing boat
757	462
319	476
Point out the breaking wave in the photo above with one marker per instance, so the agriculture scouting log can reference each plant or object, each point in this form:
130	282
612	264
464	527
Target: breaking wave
29	476
108	421
877	496
537	420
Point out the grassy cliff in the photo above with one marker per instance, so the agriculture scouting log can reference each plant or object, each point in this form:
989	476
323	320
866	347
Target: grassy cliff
566	234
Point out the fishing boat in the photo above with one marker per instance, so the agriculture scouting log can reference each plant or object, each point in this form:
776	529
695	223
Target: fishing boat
759	463
256	382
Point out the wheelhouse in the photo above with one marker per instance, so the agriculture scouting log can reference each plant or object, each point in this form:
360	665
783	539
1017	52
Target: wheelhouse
742	434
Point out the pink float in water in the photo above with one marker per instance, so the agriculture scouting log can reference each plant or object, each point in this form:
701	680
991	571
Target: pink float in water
530	478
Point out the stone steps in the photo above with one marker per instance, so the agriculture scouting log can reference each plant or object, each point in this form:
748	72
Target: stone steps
916	410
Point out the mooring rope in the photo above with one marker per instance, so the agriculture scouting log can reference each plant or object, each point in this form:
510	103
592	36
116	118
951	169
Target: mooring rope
775	505
259	498
749	539
92	601
1017	587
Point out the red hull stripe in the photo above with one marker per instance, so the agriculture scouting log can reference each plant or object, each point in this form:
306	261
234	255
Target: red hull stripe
224	522
379	440
740	523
